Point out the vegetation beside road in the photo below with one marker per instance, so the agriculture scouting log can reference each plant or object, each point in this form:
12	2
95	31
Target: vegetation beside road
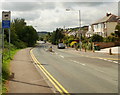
22	36
6	64
59	35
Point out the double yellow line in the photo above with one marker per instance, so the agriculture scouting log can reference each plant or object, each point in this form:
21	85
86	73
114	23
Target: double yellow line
56	84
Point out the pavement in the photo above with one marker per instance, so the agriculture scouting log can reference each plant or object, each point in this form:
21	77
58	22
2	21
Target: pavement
25	78
114	50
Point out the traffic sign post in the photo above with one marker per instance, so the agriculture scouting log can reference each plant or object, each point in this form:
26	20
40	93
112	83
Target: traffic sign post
6	17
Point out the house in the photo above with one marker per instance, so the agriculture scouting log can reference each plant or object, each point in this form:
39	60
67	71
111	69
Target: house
84	30
89	33
105	26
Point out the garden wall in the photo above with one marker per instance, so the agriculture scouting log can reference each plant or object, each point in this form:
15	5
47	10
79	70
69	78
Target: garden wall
107	45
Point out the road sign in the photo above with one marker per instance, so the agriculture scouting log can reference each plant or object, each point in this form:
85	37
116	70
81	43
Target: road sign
6	19
6	24
6	15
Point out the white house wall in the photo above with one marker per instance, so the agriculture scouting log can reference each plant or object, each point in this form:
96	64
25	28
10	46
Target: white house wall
99	29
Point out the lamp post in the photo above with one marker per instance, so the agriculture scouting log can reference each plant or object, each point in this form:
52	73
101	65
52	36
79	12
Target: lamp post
79	31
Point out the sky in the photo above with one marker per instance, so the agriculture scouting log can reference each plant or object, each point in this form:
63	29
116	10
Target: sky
47	15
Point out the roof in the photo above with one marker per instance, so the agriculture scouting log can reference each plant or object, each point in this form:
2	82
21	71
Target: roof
110	18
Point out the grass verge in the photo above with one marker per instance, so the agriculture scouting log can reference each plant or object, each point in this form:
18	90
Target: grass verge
6	66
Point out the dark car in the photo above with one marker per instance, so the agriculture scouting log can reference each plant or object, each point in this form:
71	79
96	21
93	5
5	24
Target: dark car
61	46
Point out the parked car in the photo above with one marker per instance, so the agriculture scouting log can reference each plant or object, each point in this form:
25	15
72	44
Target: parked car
61	46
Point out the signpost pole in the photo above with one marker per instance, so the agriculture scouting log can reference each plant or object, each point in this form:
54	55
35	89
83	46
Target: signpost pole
2	43
6	16
9	44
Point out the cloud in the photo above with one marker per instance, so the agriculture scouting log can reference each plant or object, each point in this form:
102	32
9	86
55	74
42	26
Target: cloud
61	0
26	6
28	16
81	4
51	15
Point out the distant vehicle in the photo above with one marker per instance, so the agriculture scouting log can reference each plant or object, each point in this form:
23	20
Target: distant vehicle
61	46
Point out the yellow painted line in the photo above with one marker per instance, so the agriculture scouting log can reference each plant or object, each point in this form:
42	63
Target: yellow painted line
46	74
50	77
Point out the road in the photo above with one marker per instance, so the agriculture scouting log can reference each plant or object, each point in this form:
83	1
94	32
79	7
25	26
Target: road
80	72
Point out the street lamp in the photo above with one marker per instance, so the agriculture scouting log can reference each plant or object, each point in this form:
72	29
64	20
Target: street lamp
79	31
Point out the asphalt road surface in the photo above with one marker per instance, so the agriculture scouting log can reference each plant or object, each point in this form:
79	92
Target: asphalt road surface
80	72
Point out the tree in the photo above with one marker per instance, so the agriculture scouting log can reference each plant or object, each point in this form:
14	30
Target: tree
57	36
96	38
117	32
21	35
30	35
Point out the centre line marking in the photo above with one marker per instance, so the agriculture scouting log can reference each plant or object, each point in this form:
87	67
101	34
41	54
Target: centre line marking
61	56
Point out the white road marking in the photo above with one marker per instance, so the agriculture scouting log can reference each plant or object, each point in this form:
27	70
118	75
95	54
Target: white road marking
78	62
115	61
110	60
75	61
61	56
98	70
85	65
56	53
104	59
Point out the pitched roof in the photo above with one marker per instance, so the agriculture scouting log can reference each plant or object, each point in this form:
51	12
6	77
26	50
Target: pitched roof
110	18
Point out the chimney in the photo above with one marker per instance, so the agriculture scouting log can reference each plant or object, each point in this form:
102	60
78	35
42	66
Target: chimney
108	14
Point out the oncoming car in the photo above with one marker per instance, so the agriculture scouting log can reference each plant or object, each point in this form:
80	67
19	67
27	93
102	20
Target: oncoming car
61	46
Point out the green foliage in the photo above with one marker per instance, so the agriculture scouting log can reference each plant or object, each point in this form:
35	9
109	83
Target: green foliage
6	65
48	37
21	35
117	32
57	36
96	38
6	59
110	39
29	35
70	39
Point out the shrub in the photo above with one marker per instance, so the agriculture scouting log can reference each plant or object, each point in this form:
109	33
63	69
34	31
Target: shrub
110	39
96	38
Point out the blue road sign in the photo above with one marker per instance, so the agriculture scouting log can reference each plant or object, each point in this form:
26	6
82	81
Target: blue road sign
5	23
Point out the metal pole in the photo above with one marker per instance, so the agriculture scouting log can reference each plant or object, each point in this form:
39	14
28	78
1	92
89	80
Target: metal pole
9	43
2	43
80	29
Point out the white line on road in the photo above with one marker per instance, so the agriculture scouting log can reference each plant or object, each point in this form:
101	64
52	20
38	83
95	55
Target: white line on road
99	70
110	60
78	62
61	56
56	53
115	61
105	59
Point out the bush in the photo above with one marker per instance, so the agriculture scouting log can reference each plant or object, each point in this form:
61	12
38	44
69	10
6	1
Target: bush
96	38
20	44
110	39
5	63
